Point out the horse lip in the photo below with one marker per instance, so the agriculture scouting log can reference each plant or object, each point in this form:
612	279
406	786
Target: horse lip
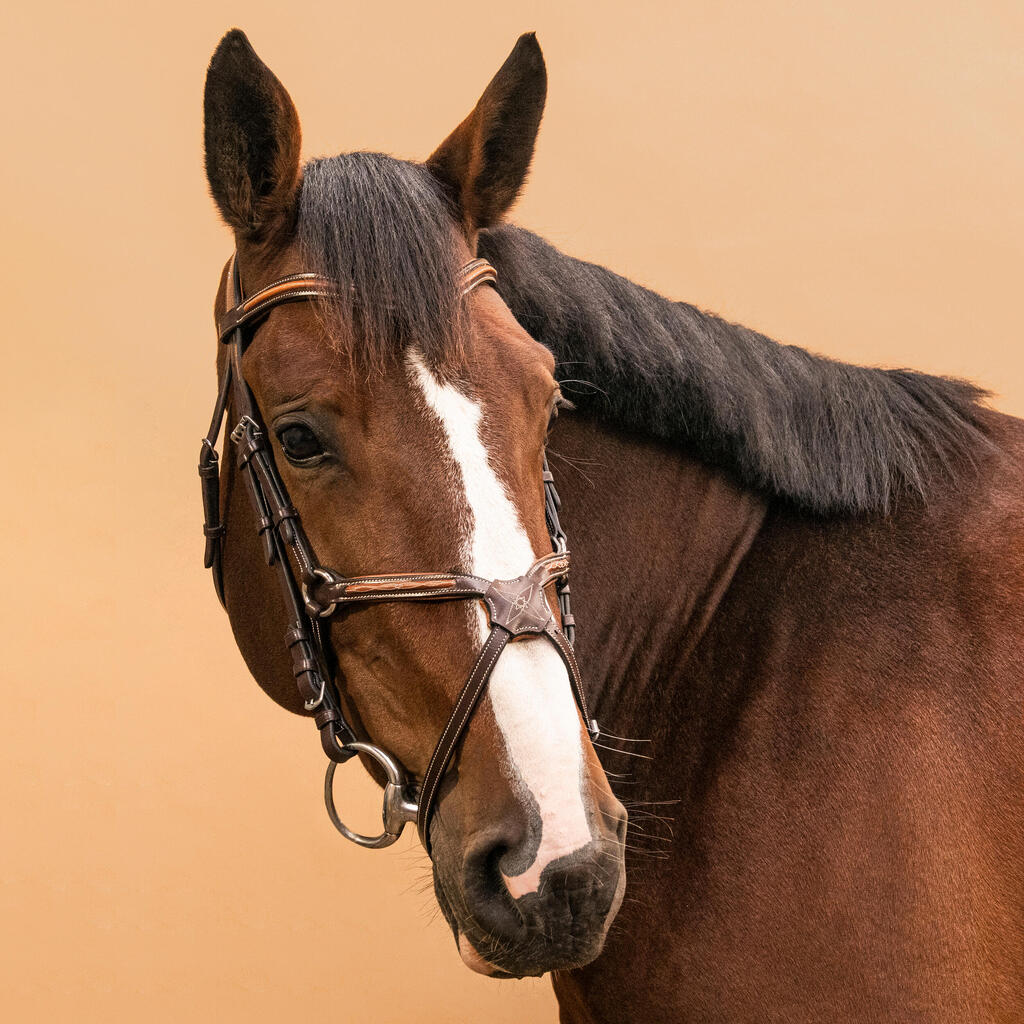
472	957
541	962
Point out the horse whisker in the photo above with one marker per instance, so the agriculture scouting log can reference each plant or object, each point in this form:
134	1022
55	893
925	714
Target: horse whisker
627	753
622	739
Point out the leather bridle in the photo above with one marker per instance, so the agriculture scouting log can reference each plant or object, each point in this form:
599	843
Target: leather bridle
312	593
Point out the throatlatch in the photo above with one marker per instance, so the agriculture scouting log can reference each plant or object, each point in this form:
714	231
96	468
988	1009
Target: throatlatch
515	608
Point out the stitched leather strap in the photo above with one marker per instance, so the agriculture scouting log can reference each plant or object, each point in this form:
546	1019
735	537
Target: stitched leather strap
476	273
460	716
296	287
468	700
330	590
288	289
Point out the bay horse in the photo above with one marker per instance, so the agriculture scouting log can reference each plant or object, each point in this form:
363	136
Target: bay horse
799	587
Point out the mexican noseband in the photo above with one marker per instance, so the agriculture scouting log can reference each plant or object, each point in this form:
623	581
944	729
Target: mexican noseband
515	608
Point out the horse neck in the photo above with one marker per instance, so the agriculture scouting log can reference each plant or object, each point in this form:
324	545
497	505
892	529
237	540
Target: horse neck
656	537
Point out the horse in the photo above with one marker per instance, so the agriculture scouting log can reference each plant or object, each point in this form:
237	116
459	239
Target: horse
799	587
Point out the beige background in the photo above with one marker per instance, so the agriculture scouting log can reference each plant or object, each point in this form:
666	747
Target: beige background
846	177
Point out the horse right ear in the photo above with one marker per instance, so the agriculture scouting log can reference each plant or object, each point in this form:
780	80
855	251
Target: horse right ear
483	163
252	139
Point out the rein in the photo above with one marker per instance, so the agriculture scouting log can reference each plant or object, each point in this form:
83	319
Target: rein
312	593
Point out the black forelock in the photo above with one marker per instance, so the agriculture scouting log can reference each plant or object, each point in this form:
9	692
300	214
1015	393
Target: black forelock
381	230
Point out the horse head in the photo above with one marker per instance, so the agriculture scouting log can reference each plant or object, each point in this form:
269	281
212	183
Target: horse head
406	417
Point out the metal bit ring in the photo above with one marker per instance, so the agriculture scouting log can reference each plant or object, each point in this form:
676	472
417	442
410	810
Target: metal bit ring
399	806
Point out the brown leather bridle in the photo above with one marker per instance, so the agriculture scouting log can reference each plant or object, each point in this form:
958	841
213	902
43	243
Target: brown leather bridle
516	608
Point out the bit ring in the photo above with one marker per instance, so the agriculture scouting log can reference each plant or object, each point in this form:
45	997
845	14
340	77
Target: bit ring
399	806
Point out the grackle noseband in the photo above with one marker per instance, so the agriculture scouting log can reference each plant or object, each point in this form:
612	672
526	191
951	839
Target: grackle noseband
516	608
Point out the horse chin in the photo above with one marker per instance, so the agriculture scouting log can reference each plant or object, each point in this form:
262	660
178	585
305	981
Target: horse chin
535	965
534	959
474	961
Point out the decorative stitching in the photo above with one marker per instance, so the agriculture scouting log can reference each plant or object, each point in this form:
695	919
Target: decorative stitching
564	648
427	797
403	595
444	735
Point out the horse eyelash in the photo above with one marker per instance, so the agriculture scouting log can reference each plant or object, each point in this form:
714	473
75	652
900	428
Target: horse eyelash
560	402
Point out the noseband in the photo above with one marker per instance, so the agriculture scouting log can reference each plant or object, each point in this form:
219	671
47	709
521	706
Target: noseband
312	593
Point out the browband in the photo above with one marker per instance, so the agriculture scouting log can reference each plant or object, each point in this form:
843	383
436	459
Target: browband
313	286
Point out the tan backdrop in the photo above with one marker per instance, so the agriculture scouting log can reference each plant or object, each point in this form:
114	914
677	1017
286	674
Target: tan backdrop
842	176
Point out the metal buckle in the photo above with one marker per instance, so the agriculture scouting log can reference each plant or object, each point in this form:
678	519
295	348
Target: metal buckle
244	424
312	705
398	809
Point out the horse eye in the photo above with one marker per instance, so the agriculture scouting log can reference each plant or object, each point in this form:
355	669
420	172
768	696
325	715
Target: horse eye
300	444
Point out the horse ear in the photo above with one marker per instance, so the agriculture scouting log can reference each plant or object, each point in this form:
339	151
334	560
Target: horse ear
252	142
483	163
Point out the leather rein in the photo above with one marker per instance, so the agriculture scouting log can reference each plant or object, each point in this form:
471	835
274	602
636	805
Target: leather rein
312	593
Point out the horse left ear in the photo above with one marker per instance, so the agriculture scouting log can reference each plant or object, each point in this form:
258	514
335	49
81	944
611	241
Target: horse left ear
252	142
483	163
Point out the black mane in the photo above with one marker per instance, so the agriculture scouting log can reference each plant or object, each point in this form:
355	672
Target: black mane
827	436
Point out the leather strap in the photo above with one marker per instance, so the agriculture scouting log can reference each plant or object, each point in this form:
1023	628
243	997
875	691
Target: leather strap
457	722
476	273
331	590
287	289
297	287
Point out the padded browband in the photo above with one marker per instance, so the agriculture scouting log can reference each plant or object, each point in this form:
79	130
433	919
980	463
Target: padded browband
313	286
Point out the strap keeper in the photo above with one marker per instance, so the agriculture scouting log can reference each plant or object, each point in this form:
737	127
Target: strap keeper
214	532
228	322
295	635
284	513
325	717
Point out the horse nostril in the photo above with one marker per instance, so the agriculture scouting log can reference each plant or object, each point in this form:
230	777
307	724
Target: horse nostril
484	887
491	867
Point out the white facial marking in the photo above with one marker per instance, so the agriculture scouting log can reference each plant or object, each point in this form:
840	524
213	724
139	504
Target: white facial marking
529	688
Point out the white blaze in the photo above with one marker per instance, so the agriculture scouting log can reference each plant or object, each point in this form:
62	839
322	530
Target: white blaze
529	688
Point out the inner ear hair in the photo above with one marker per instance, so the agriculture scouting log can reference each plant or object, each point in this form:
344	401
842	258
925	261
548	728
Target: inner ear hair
253	140
483	164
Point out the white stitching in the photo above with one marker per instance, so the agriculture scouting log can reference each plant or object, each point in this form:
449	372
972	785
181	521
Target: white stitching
426	799
442	741
569	657
403	595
